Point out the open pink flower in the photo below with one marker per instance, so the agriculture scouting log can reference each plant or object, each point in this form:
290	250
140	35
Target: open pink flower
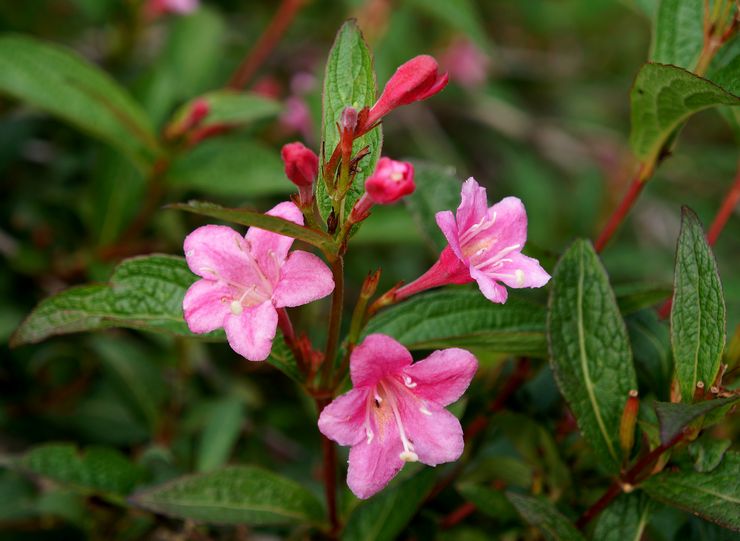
485	245
396	411
245	280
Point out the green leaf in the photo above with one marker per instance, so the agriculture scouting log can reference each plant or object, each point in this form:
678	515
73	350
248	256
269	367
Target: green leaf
462	15
144	293
257	219
230	167
464	318
439	189
228	108
282	358
96	470
223	426
234	495
61	83
698	312
632	298
678	33
708	452
349	80
589	349
384	517
651	347
674	417
543	515
489	501
625	518
714	496
662	98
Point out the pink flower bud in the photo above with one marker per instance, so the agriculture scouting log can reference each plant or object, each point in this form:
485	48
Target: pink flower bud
348	120
163	7
390	182
416	80
301	164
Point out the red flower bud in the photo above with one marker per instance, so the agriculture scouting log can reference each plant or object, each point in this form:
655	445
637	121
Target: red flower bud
301	164
390	182
416	80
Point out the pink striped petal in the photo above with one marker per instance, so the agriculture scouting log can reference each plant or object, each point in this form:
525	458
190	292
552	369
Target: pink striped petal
203	305
343	420
217	252
271	249
444	376
251	333
473	205
491	289
372	465
377	356
304	278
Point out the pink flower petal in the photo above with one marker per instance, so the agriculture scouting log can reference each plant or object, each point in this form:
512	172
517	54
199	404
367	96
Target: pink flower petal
372	465
377	356
343	420
251	333
473	205
446	222
444	376
521	271
491	290
271	249
203	307
304	277
437	434
511	222
217	252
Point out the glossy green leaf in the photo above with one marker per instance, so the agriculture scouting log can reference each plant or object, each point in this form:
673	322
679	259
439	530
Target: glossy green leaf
222	429
234	495
489	501
624	519
61	83
589	349
228	108
542	514
708	452
349	80
257	219
95	470
698	311
385	515
714	496
662	98
678	33
230	167
673	417
464	318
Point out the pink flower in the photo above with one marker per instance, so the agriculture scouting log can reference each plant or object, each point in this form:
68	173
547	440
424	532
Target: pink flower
485	245
415	80
245	280
391	181
466	63
396	411
181	7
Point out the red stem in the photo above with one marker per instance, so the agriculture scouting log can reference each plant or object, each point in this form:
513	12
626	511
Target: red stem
457	516
329	472
266	43
619	214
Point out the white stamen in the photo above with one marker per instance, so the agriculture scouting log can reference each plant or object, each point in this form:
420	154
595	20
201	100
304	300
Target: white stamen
498	256
378	398
236	308
519	275
483	223
425	411
409	456
408	382
189	253
369	433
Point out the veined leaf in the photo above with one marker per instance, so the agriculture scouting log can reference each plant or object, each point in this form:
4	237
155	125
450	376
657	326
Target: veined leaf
698	312
625	518
708	452
662	98
589	349
673	417
464	318
678	33
61	83
492	502
234	495
258	219
349	80
220	433
542	514
714	496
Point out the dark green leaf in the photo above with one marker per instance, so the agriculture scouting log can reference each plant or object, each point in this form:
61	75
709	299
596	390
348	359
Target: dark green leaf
489	501
464	318
634	297
543	515
714	496
698	312
349	80
625	518
384	517
651	347
58	81
234	495
708	452
96	470
462	15
257	219
674	417
678	33
589	349
282	358
662	98
230	167
228	108
223	426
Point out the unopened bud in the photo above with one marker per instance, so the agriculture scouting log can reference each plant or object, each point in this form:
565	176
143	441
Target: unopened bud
301	164
192	119
699	391
370	285
348	120
628	422
390	182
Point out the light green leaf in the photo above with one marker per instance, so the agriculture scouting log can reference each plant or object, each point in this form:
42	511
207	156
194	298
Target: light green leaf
61	83
384	517
698	312
228	108
230	167
674	417
542	514
678	33
714	496
257	219
662	99
589	349
223	426
99	470
625	518
349	81
464	318
234	495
